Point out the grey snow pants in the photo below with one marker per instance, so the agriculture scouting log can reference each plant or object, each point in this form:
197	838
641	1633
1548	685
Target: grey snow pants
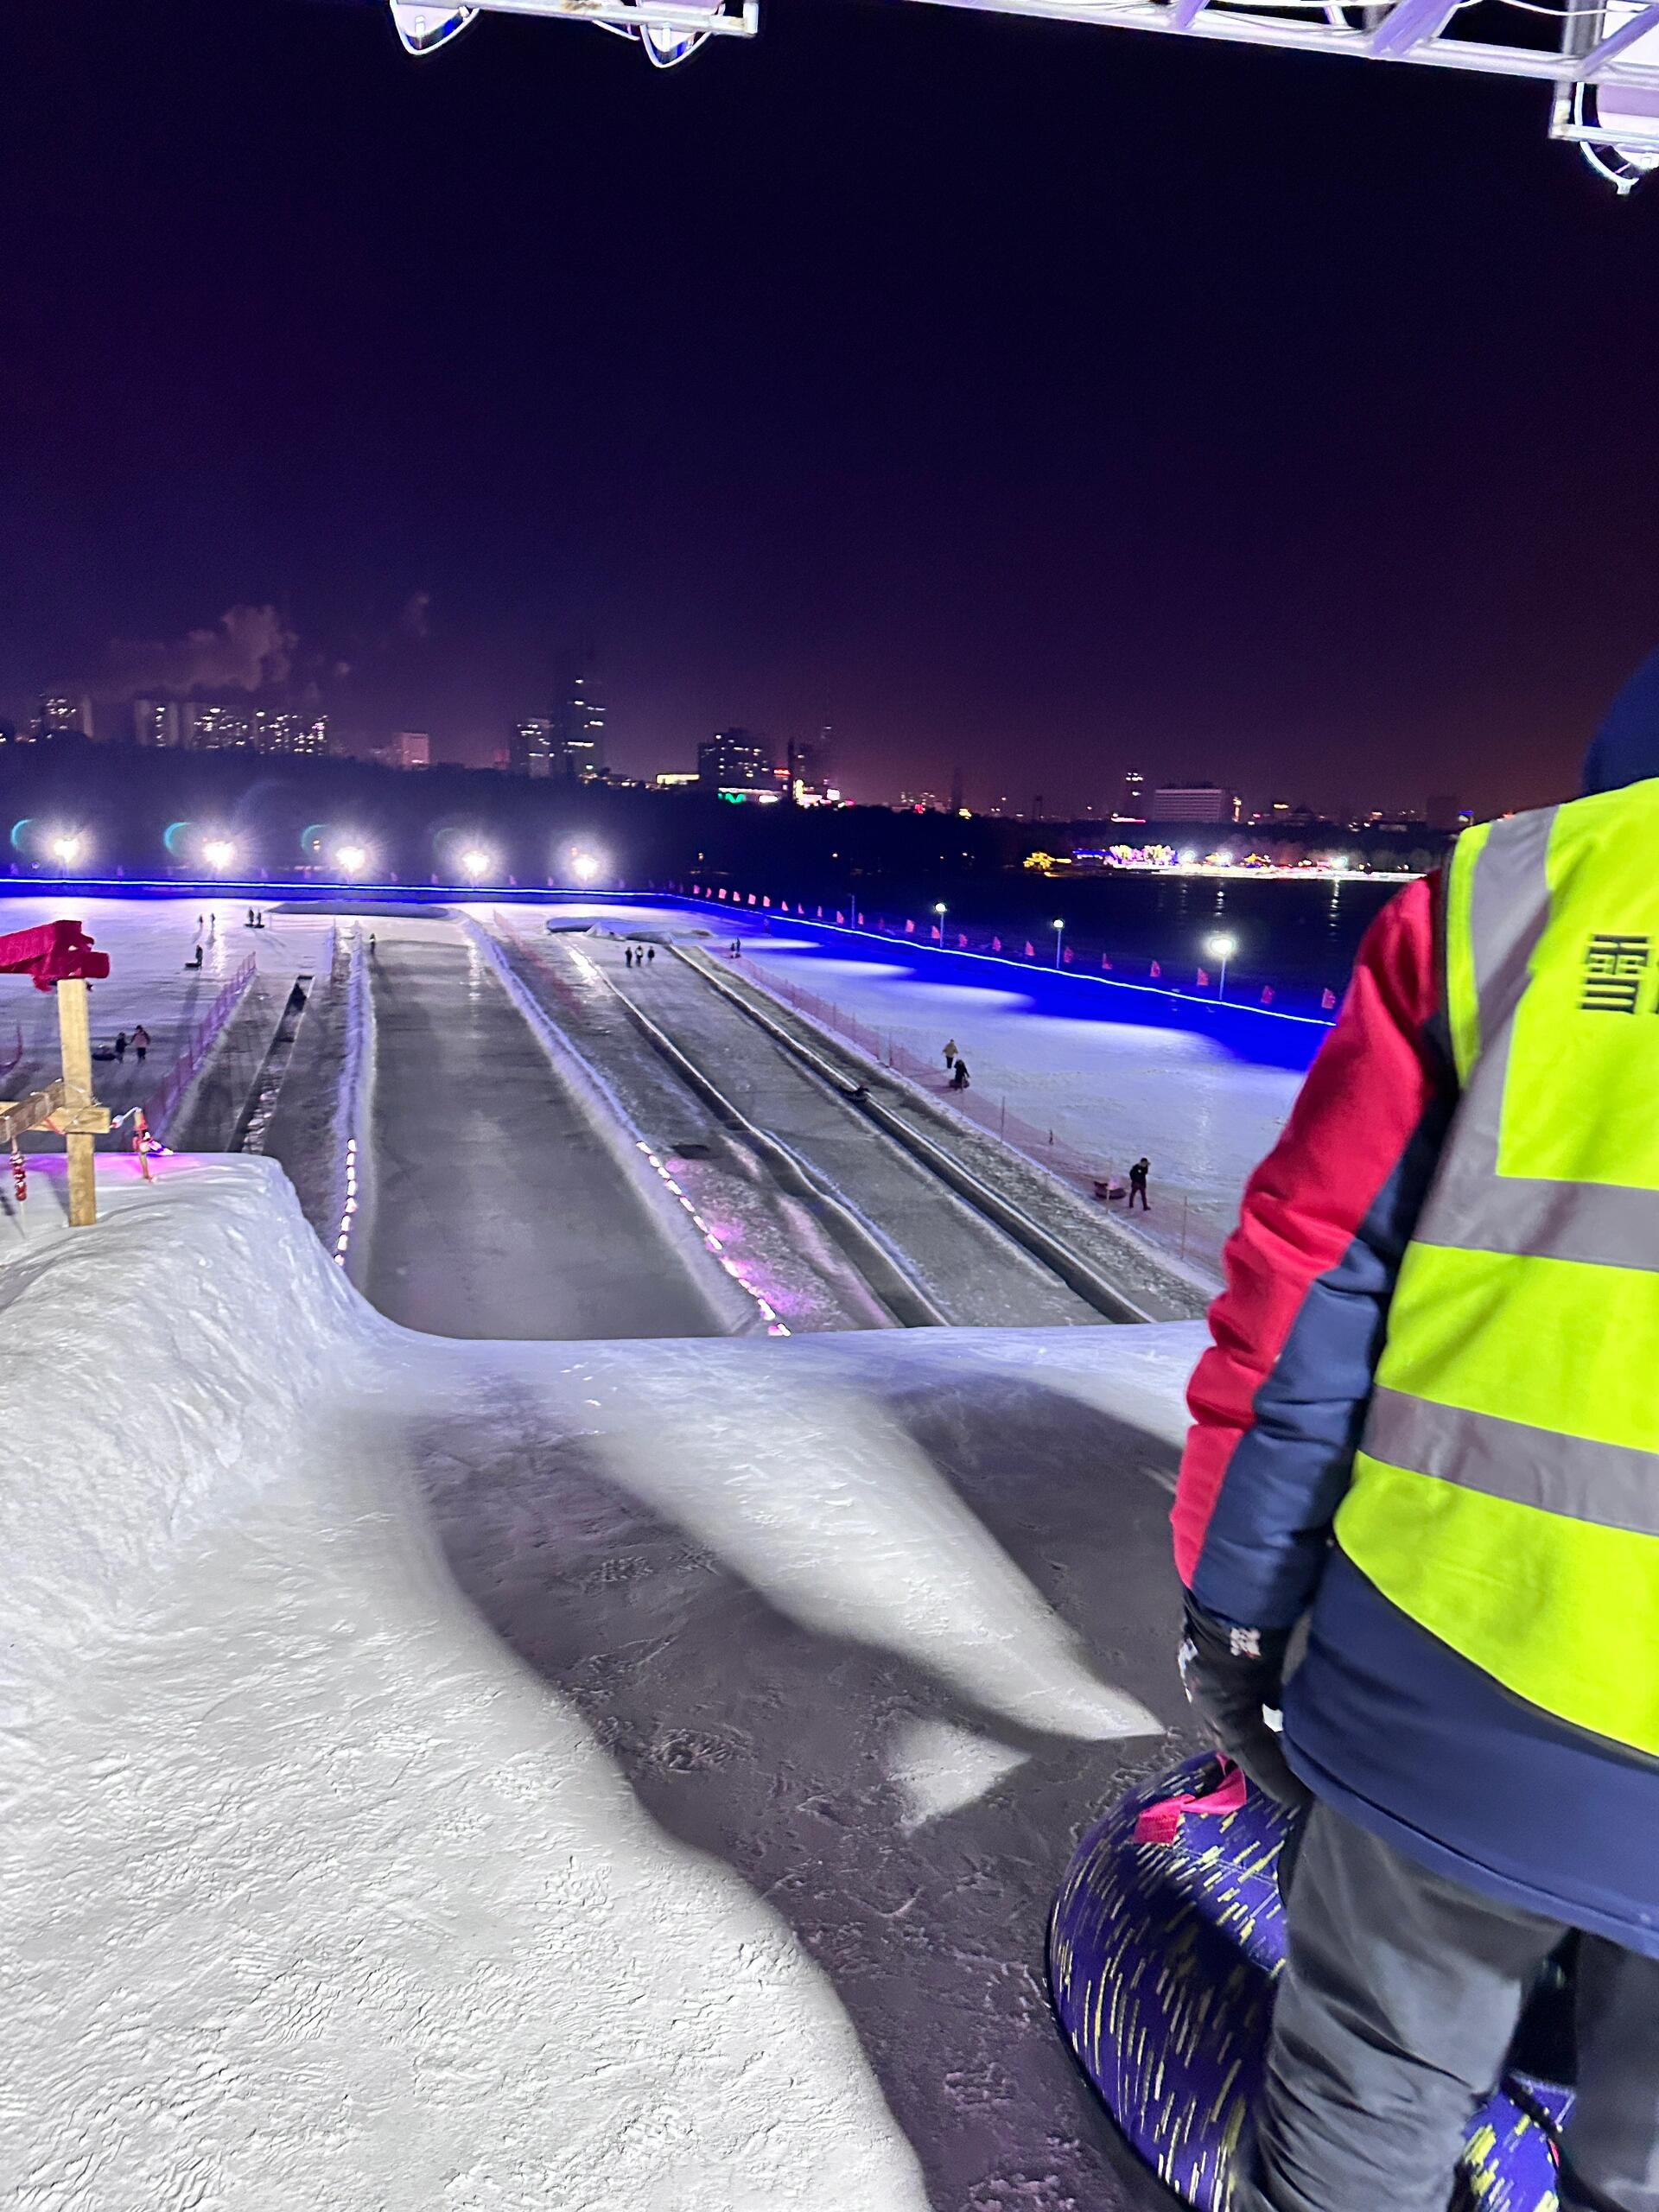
1398	1998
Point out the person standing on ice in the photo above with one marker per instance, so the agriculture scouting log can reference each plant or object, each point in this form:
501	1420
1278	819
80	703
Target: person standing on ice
959	1077
140	1042
1138	1174
120	1046
1427	1427
950	1056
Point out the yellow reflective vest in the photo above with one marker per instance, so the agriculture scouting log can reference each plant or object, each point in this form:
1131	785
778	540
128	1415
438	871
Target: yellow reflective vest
1506	1492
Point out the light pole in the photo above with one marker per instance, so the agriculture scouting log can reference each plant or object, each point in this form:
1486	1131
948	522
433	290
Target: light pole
940	909
1059	938
1221	947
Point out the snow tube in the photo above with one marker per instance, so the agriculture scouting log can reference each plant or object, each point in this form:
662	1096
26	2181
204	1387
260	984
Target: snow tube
1165	1942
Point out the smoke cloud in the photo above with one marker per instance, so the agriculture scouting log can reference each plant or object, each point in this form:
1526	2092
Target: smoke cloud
250	647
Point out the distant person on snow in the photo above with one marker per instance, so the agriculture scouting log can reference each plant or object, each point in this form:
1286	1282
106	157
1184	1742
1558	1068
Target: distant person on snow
627	955
737	949
140	1042
195	960
120	1044
1138	1175
959	1075
950	1056
651	954
1423	1433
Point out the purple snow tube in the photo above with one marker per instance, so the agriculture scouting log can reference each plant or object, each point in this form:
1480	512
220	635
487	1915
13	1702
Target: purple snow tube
1166	1940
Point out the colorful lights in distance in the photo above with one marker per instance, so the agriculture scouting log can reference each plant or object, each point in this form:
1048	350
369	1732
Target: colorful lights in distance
1188	860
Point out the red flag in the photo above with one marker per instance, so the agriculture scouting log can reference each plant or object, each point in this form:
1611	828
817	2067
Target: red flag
722	891
1204	979
840	917
1327	1000
1267	994
820	914
910	929
962	943
934	932
1105	963
1066	956
1031	950
751	898
996	945
1156	969
765	902
859	919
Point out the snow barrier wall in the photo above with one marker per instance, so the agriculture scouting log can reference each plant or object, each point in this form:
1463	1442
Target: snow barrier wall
158	1371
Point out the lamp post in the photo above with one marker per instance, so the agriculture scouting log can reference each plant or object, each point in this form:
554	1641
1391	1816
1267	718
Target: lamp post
941	910
1221	947
1059	938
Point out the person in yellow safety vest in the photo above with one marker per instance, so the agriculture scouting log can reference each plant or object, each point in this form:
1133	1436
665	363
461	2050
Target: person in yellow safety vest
1427	1429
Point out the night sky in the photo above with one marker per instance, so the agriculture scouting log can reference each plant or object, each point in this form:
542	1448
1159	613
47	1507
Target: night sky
1036	398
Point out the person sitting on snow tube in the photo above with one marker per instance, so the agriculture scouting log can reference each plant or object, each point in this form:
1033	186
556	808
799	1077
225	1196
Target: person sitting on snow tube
1426	1426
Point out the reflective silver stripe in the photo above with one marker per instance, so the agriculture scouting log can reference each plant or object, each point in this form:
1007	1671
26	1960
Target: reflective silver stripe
1508	905
1611	1485
1471	1207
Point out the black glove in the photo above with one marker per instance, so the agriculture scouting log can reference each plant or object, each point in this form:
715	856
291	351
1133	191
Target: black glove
1230	1674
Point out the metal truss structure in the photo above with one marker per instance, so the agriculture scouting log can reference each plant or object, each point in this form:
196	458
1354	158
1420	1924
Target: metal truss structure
1600	57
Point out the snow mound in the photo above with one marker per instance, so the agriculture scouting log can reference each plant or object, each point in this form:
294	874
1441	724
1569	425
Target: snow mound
591	1777
154	1374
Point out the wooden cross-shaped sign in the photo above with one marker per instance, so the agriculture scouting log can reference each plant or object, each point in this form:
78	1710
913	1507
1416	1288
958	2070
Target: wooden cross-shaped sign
59	957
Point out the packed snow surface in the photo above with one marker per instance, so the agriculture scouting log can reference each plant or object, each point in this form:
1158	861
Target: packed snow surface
618	1775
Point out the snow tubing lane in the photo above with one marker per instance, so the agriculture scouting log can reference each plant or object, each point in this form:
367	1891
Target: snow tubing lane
1161	1961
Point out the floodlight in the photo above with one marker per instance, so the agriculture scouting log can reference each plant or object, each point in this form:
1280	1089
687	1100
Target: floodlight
425	25
66	847
351	859
586	867
218	853
475	862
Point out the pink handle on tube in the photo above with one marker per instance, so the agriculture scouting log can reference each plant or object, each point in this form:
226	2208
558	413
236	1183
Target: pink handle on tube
1161	1822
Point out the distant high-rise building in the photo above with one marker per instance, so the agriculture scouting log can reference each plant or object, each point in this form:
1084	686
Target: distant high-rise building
736	760
529	748
410	748
211	725
811	778
578	739
1190	802
299	736
155	721
64	713
1133	807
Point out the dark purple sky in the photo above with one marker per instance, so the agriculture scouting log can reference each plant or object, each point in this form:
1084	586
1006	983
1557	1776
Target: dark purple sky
1033	398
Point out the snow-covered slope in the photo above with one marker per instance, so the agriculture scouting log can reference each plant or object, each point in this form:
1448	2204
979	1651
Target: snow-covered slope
621	1776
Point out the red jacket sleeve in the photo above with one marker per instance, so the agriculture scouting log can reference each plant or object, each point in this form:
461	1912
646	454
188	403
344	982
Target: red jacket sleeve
1277	1398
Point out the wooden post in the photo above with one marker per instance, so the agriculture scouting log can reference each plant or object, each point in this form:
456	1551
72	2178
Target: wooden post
74	1032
